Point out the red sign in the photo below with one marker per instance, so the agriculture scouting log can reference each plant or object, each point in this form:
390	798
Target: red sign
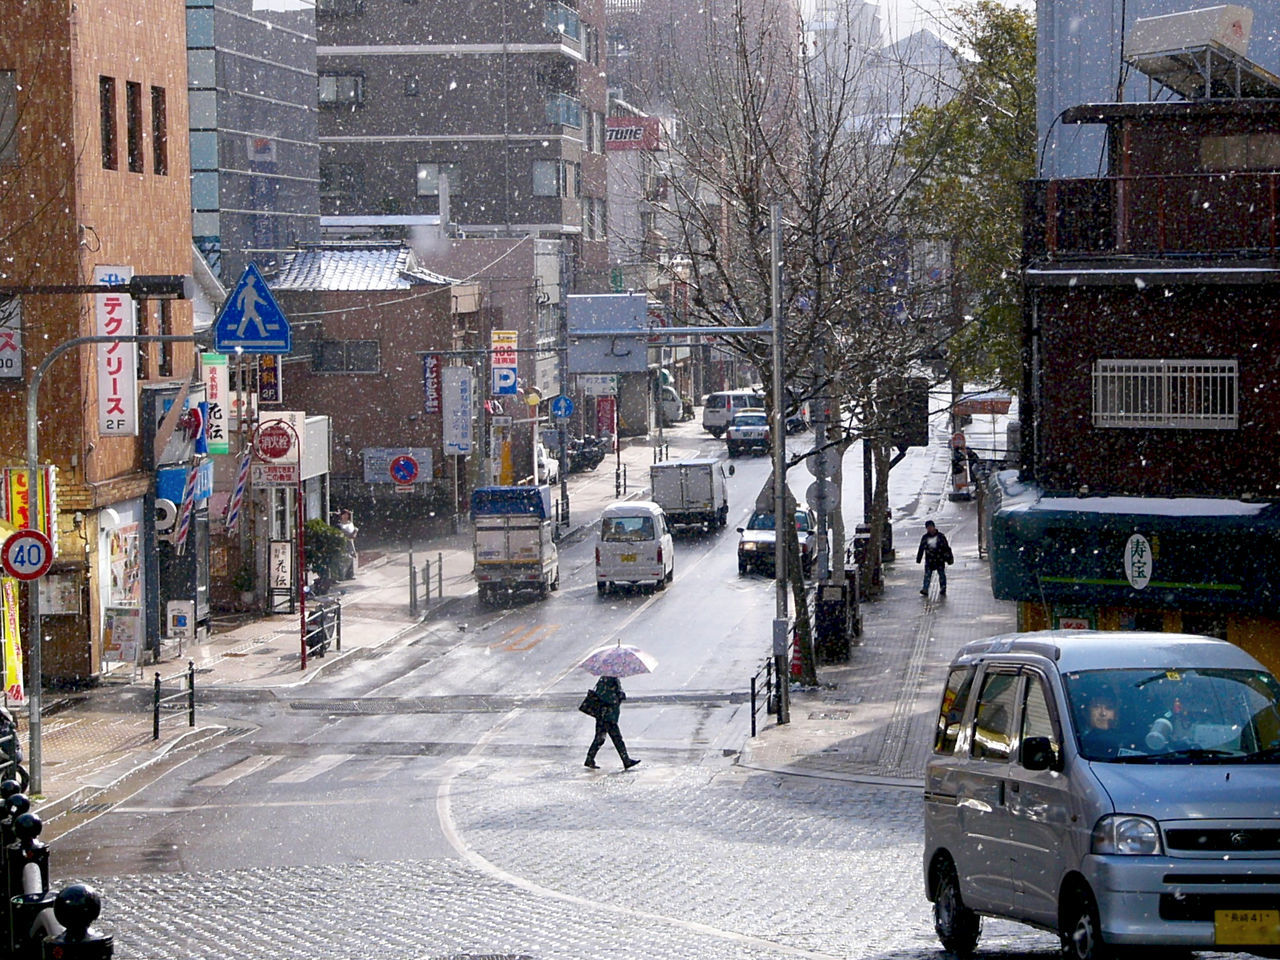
27	555
606	415
274	441
632	133
403	469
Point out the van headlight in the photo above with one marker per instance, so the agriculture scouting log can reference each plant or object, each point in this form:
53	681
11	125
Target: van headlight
1127	835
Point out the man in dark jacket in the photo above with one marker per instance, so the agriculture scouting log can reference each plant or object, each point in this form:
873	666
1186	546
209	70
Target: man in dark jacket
609	690
936	553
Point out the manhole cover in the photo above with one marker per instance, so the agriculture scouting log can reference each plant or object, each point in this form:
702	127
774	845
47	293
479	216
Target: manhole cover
835	715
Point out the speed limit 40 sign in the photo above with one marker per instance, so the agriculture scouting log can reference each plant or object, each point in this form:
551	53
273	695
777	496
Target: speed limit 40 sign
27	555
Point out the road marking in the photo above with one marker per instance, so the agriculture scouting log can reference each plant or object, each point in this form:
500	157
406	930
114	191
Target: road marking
376	770
313	768
233	773
519	639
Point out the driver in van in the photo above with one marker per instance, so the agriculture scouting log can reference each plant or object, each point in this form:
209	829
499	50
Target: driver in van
1100	738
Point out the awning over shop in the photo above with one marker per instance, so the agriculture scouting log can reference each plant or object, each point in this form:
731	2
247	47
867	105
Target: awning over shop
1189	553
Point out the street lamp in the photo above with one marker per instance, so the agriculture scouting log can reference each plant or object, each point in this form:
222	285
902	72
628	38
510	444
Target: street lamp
157	287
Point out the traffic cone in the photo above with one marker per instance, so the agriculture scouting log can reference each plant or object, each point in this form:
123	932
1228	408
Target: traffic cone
797	668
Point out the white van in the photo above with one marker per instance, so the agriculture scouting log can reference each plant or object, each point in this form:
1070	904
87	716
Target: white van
634	546
719	408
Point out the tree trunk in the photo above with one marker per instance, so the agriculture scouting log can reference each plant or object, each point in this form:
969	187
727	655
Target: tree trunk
799	595
881	453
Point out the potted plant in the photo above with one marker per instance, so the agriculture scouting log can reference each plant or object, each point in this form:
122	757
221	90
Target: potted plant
243	584
325	549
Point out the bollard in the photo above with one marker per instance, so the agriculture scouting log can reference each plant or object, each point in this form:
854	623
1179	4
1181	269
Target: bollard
624	478
413	589
337	640
25	906
426	582
439	576
76	907
191	693
155	711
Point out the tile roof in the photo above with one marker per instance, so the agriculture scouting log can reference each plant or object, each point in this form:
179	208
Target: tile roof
354	266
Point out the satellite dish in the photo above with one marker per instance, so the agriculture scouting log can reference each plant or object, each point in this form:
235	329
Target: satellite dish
166	515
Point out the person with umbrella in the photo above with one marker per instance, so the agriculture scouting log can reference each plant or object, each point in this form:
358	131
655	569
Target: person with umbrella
610	663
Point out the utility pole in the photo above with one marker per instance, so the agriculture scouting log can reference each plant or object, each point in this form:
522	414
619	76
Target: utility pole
781	622
562	375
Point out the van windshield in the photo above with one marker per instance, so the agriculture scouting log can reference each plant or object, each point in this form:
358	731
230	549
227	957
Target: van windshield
625	529
1176	715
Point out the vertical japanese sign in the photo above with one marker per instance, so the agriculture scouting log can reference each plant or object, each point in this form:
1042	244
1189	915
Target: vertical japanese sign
269	378
431	383
216	391
26	508
457	391
1138	561
10	337
115	316
502	361
606	416
13	690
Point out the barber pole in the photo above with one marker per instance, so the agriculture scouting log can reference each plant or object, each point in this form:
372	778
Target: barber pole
187	509
242	478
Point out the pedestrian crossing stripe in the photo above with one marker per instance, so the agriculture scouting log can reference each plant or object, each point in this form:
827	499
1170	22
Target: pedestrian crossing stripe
313	768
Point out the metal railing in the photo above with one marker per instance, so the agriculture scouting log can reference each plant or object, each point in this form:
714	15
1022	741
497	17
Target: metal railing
423	578
171	704
770	704
324	625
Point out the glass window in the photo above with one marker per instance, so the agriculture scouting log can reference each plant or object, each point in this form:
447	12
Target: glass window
203	105
955	697
341	88
204	150
626	529
345	356
200	27
159	132
204	190
429	178
993	724
200	69
8	117
107	122
1037	720
546	178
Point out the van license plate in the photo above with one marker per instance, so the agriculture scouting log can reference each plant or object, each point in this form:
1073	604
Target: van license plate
628	558
1246	927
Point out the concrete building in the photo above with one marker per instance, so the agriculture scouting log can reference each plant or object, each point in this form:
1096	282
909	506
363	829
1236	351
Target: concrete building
254	150
488	116
93	187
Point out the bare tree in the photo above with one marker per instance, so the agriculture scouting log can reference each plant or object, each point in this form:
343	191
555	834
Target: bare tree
777	112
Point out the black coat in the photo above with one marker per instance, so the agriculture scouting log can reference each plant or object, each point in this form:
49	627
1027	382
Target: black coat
609	690
938	555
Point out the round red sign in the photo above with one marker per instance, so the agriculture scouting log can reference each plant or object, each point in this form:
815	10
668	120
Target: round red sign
274	441
27	555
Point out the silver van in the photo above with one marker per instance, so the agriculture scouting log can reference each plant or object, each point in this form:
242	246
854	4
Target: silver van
1119	789
718	408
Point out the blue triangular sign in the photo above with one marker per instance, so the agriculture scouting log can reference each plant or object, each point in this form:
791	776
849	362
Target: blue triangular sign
251	321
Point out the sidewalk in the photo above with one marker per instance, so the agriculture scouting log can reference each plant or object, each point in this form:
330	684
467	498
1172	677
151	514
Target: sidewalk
871	720
99	742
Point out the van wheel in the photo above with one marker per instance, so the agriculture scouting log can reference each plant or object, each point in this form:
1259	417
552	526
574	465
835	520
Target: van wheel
957	926
671	574
659	584
601	588
1080	929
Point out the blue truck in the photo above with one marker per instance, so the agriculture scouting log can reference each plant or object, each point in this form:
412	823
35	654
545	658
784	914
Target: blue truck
514	548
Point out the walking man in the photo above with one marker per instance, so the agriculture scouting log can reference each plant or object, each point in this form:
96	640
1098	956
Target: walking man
609	690
936	553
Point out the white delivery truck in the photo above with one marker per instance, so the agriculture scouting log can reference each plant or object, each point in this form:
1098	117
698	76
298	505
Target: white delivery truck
514	547
692	491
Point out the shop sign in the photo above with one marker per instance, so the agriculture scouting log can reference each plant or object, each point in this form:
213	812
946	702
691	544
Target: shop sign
10	337
457	396
216	391
20	509
632	133
269	388
1138	561
431	383
115	316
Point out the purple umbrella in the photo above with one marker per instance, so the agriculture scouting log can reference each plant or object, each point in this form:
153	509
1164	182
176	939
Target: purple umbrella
618	660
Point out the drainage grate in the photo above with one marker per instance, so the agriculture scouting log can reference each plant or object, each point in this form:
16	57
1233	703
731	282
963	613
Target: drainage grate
91	808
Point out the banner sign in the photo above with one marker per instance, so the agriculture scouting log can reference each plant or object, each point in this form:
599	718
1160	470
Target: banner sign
632	133
431	383
24	511
216	391
269	389
13	689
10	337
115	315
457	393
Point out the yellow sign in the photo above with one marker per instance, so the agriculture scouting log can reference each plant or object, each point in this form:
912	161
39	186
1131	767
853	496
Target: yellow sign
13	688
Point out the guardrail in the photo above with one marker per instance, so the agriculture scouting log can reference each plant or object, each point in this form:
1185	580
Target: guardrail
425	579
169	703
770	704
324	626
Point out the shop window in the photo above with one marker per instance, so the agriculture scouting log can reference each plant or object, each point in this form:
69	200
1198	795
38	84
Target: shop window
107	122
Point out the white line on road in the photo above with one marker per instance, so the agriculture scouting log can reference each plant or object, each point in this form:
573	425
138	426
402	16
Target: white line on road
313	768
233	773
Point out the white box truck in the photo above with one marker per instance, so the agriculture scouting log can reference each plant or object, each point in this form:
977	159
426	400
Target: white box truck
692	491
514	546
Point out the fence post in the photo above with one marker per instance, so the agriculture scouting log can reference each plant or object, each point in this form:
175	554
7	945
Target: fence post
155	710
413	586
624	478
337	640
753	706
191	693
439	576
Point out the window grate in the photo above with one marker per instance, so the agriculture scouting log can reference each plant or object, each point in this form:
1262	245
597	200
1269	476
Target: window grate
1166	394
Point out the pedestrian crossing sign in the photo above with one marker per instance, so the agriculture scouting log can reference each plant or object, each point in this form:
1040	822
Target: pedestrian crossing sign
251	321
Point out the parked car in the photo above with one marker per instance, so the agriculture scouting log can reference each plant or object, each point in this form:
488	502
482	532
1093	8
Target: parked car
718	408
548	465
758	540
748	430
634	546
1117	788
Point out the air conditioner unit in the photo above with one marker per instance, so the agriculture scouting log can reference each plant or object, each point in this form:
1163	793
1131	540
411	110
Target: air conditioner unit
1226	26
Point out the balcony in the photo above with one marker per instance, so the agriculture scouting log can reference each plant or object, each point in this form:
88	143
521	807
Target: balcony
563	23
1176	215
564	110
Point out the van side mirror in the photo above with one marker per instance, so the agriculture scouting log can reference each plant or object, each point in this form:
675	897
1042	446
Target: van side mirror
1037	753
731	469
